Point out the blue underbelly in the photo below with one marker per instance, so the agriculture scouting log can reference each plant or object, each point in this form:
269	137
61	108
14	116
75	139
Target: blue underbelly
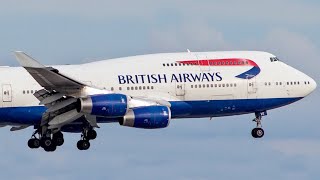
180	109
213	108
21	115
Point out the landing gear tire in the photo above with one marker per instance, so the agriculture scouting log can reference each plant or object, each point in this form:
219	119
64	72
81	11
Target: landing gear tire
50	148
257	132
91	134
34	143
83	145
58	139
46	142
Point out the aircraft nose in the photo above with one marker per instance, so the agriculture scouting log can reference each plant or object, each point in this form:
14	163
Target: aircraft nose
313	85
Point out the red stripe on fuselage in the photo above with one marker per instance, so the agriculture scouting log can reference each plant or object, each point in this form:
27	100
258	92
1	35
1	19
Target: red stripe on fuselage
220	62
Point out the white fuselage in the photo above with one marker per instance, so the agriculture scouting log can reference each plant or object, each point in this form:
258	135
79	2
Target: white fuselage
170	77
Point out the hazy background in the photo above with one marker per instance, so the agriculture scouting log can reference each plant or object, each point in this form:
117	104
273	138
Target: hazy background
65	32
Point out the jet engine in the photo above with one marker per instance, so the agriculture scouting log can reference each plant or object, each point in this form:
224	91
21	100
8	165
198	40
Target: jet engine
148	117
106	105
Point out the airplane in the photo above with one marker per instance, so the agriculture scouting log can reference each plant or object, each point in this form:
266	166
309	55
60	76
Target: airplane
145	91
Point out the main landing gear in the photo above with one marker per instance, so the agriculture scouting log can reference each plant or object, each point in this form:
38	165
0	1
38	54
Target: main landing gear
47	141
87	135
258	132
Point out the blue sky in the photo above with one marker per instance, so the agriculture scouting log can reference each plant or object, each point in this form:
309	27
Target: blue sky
65	32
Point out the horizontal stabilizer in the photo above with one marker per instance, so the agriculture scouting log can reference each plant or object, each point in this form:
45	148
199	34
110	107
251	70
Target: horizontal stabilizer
18	128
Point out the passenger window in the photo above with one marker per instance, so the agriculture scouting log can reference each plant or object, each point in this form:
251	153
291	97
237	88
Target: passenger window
128	88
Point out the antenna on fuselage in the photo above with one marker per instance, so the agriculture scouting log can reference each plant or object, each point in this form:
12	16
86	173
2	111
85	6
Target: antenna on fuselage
188	50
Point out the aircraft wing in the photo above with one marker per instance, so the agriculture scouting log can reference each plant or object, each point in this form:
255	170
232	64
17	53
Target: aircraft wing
48	77
59	94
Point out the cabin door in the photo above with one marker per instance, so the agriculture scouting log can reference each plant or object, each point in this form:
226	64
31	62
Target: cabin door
180	90
252	88
6	95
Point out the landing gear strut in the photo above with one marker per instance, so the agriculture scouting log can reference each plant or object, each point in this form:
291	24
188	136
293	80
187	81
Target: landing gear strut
87	134
258	132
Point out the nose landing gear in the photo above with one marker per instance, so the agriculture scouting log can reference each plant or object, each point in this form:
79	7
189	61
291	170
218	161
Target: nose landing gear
258	132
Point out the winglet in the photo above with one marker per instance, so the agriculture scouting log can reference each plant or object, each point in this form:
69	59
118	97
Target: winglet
27	61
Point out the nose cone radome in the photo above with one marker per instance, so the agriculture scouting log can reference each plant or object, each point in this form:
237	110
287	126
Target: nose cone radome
313	85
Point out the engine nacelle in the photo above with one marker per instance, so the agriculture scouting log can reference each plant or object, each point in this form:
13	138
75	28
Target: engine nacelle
106	105
149	117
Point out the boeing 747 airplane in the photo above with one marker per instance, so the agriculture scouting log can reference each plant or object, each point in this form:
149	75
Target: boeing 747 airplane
147	91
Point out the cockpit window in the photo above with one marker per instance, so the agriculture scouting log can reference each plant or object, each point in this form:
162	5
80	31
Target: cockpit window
273	59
